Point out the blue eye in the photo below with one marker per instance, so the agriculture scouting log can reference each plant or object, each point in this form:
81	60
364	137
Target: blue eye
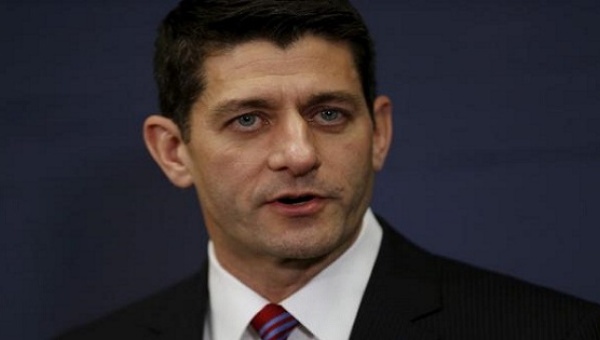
329	115
247	120
330	118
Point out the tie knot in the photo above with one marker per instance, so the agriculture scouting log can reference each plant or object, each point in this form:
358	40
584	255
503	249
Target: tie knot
273	322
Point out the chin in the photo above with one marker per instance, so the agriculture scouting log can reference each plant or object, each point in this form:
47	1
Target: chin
313	247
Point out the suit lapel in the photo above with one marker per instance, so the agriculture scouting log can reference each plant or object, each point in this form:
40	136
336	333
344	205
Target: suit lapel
403	287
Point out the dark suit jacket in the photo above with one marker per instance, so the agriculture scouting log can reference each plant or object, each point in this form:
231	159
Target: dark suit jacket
411	295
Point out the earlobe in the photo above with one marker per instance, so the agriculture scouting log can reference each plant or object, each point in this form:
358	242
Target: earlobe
382	133
164	142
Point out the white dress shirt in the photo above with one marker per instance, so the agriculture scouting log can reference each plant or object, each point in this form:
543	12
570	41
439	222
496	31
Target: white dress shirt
325	307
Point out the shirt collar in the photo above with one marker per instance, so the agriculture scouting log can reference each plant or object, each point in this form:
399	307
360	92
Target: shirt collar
232	303
326	306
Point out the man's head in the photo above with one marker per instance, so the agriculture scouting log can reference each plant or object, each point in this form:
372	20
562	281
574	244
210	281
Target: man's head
198	28
279	137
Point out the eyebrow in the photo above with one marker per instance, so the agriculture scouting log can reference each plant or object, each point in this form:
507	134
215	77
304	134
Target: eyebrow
334	96
258	103
237	105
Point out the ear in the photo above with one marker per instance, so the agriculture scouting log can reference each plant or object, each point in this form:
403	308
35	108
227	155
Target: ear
163	140
382	131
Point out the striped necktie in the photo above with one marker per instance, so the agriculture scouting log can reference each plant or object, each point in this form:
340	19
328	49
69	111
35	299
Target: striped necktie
273	323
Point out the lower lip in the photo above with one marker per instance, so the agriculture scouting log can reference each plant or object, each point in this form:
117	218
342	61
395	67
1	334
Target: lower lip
298	210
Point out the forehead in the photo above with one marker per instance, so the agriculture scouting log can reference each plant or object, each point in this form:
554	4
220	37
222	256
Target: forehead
311	64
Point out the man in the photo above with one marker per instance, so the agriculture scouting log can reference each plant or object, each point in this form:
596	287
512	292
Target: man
269	111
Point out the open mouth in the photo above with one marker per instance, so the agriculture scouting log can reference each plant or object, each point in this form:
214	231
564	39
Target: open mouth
297	200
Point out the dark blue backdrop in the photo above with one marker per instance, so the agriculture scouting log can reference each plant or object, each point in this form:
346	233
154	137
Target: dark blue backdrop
495	161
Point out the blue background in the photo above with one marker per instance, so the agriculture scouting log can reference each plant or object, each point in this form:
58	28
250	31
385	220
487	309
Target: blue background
495	161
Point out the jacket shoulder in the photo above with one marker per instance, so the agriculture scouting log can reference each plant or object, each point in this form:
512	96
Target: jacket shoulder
476	303
150	316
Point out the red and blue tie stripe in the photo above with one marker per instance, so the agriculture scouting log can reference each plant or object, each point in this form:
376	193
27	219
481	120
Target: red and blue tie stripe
273	322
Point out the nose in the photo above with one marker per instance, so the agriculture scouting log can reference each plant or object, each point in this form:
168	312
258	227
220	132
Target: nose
293	147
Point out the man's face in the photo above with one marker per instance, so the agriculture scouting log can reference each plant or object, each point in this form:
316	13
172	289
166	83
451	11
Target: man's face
283	150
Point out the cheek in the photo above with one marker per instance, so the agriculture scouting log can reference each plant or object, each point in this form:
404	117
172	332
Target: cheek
350	162
223	188
229	171
354	150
